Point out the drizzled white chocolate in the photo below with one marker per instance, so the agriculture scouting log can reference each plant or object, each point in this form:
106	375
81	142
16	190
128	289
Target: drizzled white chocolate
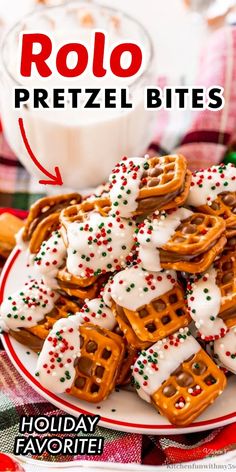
207	184
95	311
98	245
51	256
204	300
125	182
155	232
135	287
27	306
55	366
155	365
225	350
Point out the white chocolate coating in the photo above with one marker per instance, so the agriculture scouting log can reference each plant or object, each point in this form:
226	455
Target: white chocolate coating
59	376
225	349
22	245
100	244
51	256
27	306
125	181
95	311
55	365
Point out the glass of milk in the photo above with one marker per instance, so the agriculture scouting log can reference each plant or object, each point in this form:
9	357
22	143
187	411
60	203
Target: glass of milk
83	143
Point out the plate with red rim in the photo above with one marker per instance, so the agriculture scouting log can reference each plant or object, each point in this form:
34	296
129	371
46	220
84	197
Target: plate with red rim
123	410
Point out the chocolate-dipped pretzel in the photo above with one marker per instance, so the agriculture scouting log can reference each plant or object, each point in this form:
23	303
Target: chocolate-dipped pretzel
98	241
148	305
180	240
211	297
213	191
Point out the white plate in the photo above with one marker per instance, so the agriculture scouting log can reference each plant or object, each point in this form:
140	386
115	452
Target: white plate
123	410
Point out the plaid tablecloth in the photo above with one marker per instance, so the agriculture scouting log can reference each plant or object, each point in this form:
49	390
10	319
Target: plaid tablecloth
17	398
203	138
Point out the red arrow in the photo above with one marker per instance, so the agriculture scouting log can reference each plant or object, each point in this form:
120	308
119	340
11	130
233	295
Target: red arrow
55	179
